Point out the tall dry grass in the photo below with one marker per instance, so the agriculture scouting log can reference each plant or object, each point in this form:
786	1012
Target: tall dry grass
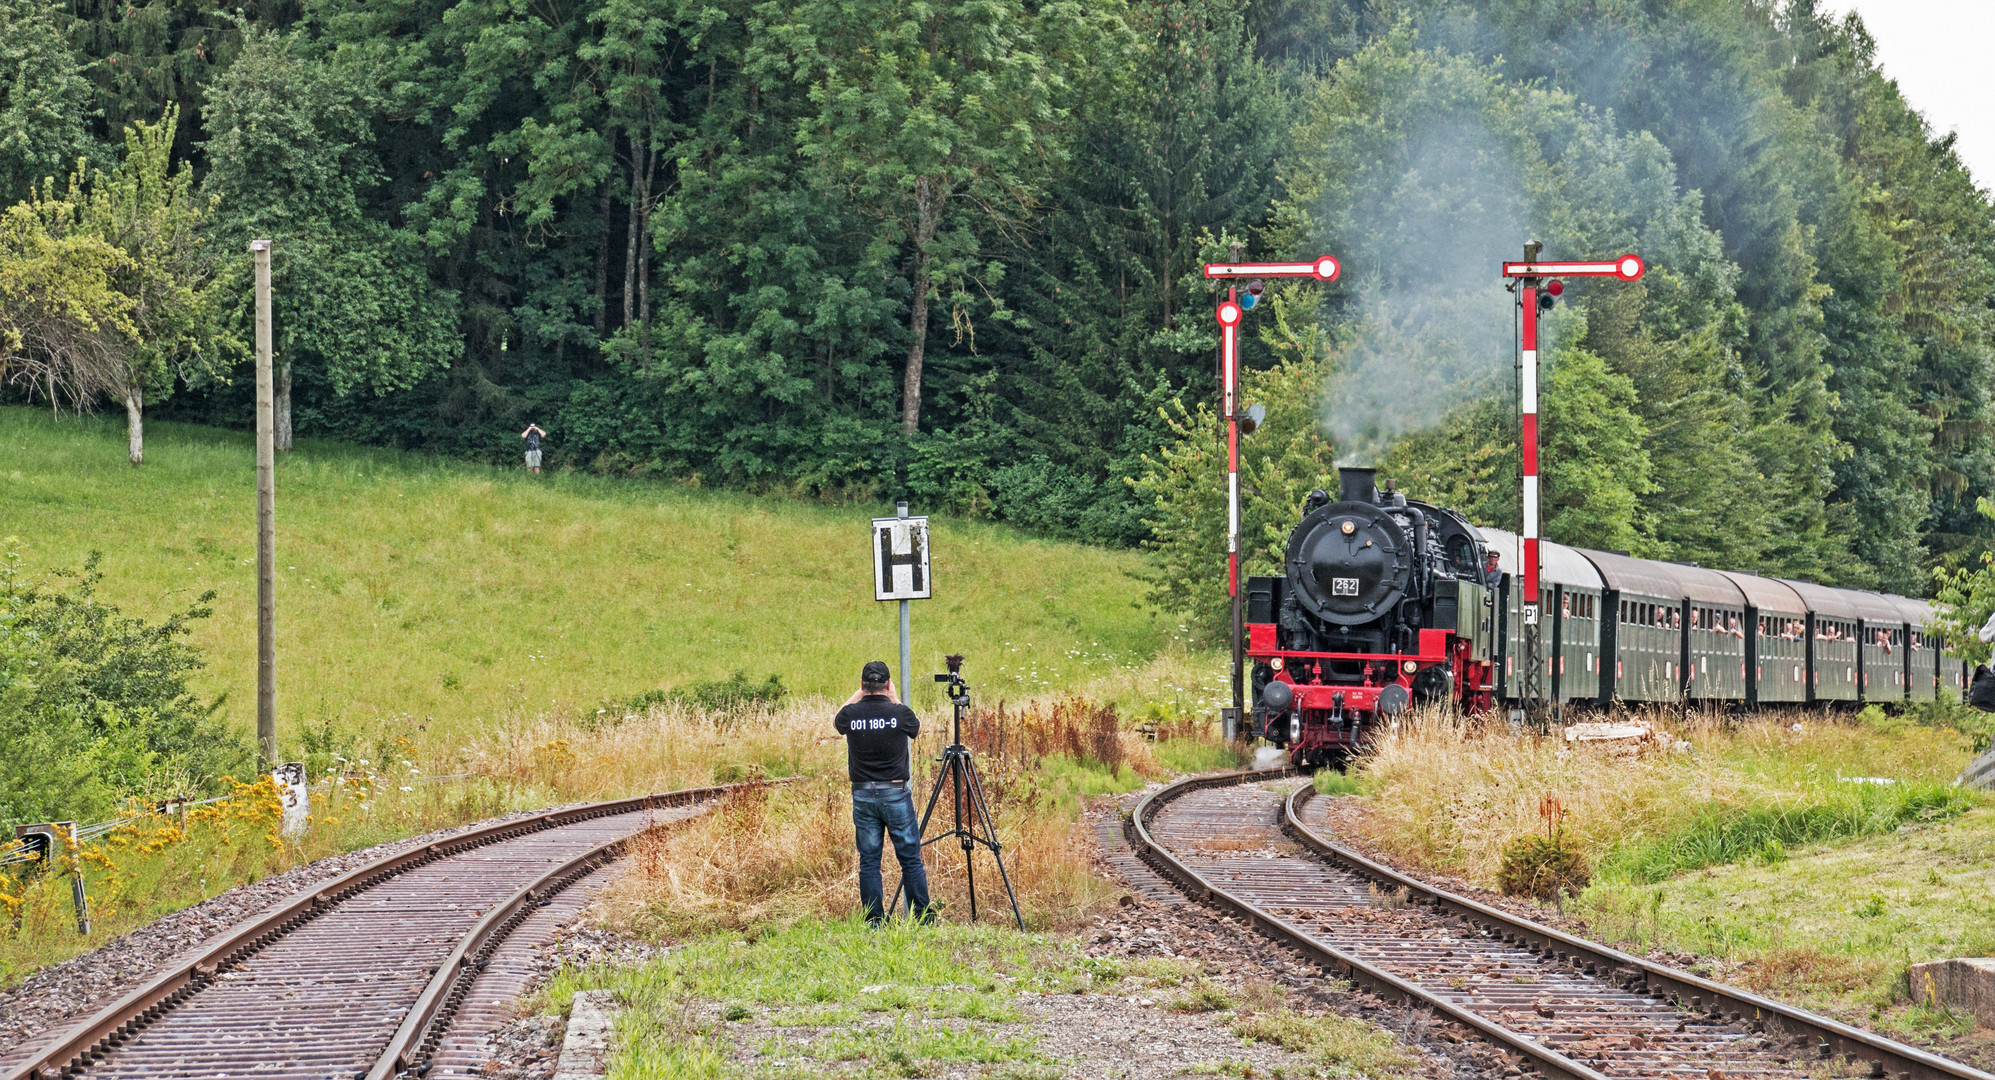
1449	792
771	856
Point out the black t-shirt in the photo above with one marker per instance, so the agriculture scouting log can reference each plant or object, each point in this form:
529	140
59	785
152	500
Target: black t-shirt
877	733
532	440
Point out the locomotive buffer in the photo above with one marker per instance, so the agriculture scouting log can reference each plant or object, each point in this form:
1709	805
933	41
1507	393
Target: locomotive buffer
1537	286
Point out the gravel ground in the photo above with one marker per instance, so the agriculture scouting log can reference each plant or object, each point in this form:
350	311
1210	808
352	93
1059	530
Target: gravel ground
82	984
1133	1036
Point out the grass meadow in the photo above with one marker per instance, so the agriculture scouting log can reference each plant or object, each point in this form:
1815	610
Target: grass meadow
418	591
456	642
1808	854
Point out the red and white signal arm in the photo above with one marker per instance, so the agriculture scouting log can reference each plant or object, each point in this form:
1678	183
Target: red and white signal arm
1323	268
1627	268
900	559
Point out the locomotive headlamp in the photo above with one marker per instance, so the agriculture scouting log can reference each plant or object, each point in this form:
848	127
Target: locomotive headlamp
1409	667
1348	527
1276	663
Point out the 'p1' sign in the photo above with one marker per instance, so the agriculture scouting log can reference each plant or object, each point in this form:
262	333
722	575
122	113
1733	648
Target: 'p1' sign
900	558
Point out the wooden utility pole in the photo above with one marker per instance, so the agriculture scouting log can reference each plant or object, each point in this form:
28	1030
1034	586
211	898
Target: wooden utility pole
266	520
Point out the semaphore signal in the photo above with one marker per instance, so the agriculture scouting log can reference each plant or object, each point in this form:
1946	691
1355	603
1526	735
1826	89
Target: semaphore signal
1230	312
1527	278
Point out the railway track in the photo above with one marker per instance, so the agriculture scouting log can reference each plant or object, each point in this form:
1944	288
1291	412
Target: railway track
1562	1006
364	976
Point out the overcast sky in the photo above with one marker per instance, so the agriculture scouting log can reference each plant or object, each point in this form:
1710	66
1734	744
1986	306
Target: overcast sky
1939	52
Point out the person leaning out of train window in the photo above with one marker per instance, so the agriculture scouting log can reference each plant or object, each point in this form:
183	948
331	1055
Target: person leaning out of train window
1733	628
879	734
1884	640
1492	570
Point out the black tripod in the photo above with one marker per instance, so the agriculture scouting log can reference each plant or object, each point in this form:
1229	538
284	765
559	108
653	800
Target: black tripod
959	771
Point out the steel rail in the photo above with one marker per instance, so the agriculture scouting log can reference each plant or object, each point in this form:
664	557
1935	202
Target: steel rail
416	1038
1633	972
114	1024
1358	971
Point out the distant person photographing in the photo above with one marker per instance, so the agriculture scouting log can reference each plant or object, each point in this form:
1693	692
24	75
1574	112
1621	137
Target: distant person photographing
879	733
533	434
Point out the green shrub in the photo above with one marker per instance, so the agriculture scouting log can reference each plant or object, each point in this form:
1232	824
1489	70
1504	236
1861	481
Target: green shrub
1542	867
95	705
708	695
1334	782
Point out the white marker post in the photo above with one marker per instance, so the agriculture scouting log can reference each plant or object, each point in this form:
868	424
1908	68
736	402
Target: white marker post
900	572
295	797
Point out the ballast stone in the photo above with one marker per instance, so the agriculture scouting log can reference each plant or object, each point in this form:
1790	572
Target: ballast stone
585	1050
1964	985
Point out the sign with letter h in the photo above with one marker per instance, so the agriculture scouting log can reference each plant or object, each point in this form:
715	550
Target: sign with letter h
900	558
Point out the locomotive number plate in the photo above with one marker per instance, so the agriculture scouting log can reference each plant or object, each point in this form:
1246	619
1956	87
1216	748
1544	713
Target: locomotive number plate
1343	586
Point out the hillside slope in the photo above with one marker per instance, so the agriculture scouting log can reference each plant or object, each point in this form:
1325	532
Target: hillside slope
454	594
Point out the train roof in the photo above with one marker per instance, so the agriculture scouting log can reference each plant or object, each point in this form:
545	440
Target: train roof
1916	612
1846	603
1672	580
1588	569
1558	564
1768	594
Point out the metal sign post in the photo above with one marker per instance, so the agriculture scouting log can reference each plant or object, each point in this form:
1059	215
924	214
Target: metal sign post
1229	314
900	572
1526	278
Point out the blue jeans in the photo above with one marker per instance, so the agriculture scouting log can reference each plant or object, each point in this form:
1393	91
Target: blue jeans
876	814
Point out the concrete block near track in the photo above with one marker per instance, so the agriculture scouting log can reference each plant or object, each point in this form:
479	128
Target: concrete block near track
585	1051
1979	774
1966	986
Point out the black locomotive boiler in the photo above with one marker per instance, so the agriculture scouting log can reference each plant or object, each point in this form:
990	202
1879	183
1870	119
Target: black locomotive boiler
1383	603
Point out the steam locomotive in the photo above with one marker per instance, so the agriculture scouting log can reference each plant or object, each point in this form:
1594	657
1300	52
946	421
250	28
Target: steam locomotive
1385	602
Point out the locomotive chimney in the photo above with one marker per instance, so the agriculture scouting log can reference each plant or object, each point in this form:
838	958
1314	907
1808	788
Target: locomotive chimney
1357	485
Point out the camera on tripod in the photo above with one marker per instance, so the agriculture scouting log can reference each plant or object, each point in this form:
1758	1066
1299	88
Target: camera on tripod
958	691
974	826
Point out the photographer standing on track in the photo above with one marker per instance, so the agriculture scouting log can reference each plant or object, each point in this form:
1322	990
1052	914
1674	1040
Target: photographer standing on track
879	733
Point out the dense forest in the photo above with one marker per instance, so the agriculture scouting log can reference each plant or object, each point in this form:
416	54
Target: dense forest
951	248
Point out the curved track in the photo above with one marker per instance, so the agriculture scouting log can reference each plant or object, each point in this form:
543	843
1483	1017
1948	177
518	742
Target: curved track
361	977
1565	1006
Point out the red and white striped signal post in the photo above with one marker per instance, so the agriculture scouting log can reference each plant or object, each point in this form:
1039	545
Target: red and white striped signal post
1526	279
1230	312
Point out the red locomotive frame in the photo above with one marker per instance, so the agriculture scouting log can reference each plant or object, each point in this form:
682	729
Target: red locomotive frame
1333	713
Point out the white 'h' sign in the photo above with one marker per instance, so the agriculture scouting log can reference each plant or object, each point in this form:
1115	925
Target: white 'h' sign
900	559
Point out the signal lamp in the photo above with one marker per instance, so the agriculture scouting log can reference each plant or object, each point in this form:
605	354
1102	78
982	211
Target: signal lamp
1545	301
1254	290
1555	287
1252	418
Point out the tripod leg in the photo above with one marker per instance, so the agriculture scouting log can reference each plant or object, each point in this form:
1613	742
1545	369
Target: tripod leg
983	807
969	864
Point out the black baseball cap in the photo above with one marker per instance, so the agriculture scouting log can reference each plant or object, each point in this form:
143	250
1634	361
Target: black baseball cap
875	671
